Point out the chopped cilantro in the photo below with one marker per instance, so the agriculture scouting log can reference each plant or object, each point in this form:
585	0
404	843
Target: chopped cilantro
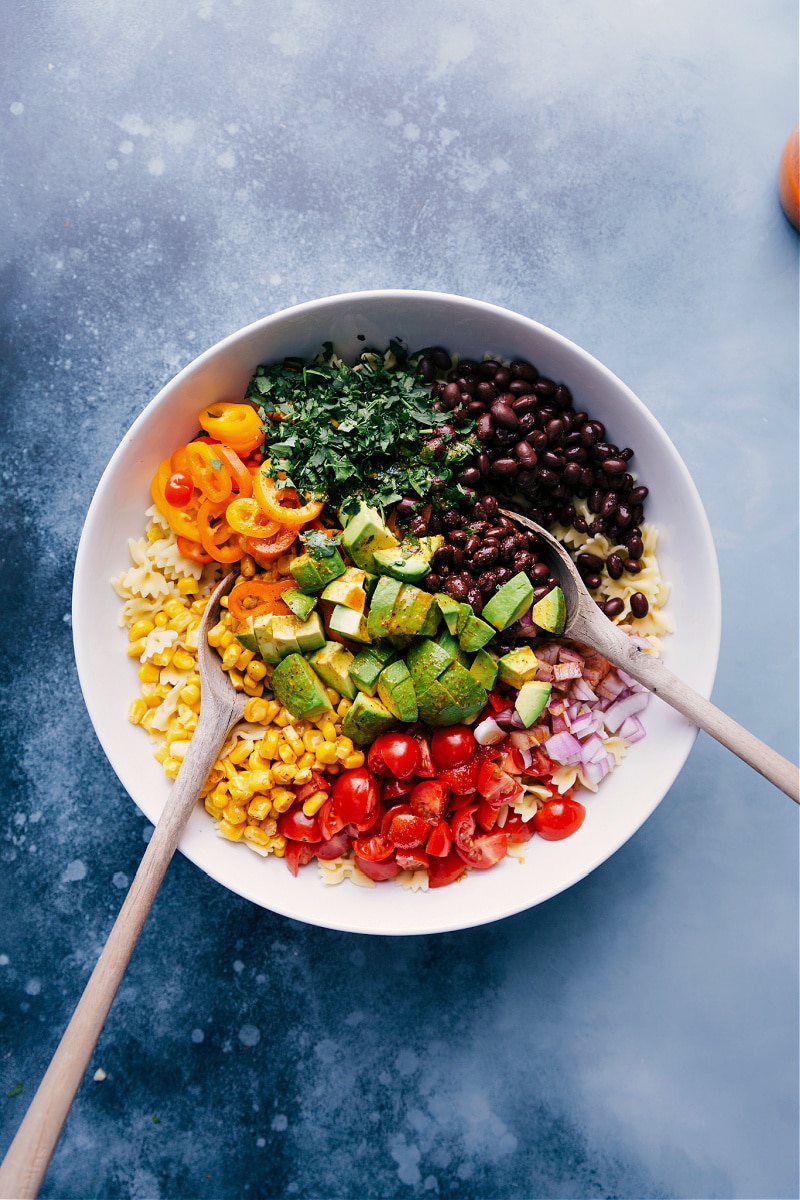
319	544
15	1089
345	432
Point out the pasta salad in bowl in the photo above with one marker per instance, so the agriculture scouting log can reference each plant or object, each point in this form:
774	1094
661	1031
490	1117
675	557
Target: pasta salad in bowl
417	731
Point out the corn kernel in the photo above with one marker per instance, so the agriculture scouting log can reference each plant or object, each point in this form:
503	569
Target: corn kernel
257	669
231	657
178	748
154	533
161	619
228	639
281	799
282	718
284	772
269	744
235	813
182	661
211	807
233	832
136	710
305	760
136	649
333	696
236	679
314	803
180	622
279	846
312	738
342	707
173	608
293	738
260	781
344	746
326	753
256	835
286	753
251	688
161	753
255	710
356	759
215	634
259	808
140	629
188	586
273	708
190	694
240	752
303	775
171	767
149	673
247	567
328	731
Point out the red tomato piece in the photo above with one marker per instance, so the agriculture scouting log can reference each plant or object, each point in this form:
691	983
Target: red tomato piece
179	489
481	851
559	818
333	847
407	831
486	816
440	842
355	797
496	785
386	869
394	754
297	854
296	825
462	779
429	799
412	860
330	823
516	829
373	849
393	789
442	871
426	769
453	745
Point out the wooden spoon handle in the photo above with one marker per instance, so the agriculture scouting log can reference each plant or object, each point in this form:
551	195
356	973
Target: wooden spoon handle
29	1154
650	671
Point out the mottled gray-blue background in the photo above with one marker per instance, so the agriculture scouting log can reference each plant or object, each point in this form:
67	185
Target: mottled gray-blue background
174	169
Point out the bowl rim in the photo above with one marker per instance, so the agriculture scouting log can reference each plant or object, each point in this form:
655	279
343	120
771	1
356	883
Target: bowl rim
84	581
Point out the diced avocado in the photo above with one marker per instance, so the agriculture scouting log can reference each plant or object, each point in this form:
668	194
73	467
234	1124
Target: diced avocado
531	699
426	660
402	562
332	662
409	612
348	589
396	690
484	669
366	717
509	602
267	646
475	634
436	706
310	634
449	642
245	635
313	573
380	606
301	605
518	666
430	544
465	690
364	671
284	634
349	623
363	534
550	613
383	652
299	689
464	614
370	582
450	609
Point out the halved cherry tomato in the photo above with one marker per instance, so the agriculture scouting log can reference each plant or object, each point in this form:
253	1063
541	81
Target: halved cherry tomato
429	799
445	870
246	516
407	831
179	490
440	842
294	824
333	847
462	780
330	823
482	850
181	522
283	503
393	789
412	860
453	745
496	785
266	550
238	425
267	596
387	869
355	797
517	829
394	754
559	818
486	816
297	854
374	849
426	768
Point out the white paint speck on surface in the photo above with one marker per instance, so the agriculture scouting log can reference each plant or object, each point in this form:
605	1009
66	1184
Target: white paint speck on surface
280	1122
249	1035
198	1036
74	872
156	165
16	109
33	987
119	880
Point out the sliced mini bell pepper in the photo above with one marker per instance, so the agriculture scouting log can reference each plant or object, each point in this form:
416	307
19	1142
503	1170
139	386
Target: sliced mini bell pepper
246	516
283	503
193	550
182	521
209	472
241	475
237	425
216	539
267	597
266	550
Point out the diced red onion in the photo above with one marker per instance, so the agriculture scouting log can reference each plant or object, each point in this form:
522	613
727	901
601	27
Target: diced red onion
580	690
564	748
625	707
487	732
632	729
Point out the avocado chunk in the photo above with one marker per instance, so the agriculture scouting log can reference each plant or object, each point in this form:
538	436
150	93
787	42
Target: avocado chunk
405	562
301	605
332	662
283	630
266	645
366	717
550	613
310	633
410	612
365	670
349	623
312	573
380	606
396	690
450	609
436	706
484	669
509	602
465	690
474	634
245	635
348	589
363	534
299	689
518	666
450	643
531	699
426	660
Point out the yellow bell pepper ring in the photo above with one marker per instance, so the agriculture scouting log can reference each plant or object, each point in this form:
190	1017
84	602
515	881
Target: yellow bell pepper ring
246	516
209	471
237	425
283	503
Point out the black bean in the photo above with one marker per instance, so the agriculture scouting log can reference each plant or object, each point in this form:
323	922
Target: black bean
488	368
521	387
595	500
635	546
544	387
638	494
470	476
501	378
522	561
472	544
486	557
613	607
418	526
541	590
632	565
504	415
524	405
639	605
485	391
540	572
490	506
592	581
456	587
521	369
624	515
614	566
443	555
457	562
504	468
589	562
526	455
426	369
484	428
475	408
487	581
475	600
503	575
441	358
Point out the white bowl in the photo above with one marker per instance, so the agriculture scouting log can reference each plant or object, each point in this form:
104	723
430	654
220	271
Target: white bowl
469	328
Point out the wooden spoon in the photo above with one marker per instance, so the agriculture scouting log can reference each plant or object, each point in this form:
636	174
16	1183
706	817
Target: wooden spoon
587	624
221	707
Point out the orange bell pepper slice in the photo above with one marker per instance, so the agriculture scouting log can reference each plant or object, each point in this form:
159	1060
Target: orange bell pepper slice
215	539
266	551
241	475
193	550
237	425
181	520
283	503
209	471
247	517
267	597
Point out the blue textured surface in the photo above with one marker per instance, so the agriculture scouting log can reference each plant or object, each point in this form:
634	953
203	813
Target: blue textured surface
170	171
